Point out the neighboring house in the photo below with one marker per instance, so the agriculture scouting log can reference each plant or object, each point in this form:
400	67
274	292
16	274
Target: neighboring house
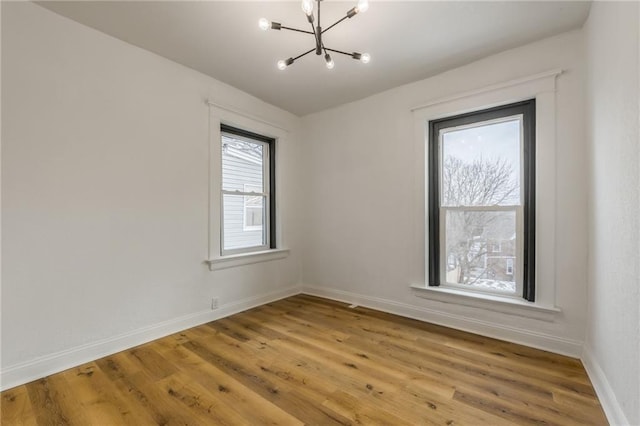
499	259
493	259
243	215
485	250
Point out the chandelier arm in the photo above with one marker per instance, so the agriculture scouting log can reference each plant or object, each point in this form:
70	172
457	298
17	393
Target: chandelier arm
303	54
295	29
339	51
334	24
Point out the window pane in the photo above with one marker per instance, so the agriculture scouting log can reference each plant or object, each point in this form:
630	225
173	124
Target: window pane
471	237
242	164
481	164
253	209
237	214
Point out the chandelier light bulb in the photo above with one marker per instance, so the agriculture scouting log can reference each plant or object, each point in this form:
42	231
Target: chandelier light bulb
365	58
307	7
283	63
263	24
330	63
363	5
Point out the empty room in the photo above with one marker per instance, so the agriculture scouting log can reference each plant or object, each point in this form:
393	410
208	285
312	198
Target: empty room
320	212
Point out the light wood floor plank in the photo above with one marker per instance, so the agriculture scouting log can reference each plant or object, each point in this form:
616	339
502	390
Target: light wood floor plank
16	408
308	360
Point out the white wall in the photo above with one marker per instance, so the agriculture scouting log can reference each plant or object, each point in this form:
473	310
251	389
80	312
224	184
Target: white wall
612	349
105	196
365	217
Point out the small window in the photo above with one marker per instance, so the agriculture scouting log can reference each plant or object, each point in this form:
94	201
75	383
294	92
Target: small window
509	267
482	200
247	191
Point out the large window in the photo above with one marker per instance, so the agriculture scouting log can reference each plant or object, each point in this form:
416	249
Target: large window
481	199
248	191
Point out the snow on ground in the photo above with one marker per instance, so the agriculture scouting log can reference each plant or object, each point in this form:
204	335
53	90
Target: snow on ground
506	286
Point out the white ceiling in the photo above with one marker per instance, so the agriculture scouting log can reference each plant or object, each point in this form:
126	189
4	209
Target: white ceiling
408	41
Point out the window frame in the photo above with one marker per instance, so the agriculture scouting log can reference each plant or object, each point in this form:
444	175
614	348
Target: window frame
224	114
268	192
527	109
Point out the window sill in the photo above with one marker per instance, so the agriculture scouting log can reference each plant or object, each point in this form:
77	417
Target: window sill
491	302
242	259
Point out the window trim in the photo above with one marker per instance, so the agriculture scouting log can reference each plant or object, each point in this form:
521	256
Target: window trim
542	87
219	115
527	110
242	259
268	182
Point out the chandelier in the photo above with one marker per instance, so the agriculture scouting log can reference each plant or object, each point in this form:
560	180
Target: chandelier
318	32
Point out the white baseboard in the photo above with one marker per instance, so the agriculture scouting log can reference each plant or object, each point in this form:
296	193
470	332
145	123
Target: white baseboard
563	346
34	369
607	397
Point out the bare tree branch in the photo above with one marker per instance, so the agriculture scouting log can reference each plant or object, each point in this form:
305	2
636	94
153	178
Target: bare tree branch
483	182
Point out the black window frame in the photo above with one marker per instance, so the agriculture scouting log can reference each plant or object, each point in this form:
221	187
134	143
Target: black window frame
527	109
271	142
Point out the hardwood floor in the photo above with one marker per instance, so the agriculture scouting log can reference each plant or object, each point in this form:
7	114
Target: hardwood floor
306	360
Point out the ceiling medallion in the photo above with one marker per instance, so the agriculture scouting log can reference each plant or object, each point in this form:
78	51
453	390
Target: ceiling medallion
317	32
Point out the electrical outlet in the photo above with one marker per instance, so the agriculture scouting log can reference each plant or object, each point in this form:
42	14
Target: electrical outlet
214	303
